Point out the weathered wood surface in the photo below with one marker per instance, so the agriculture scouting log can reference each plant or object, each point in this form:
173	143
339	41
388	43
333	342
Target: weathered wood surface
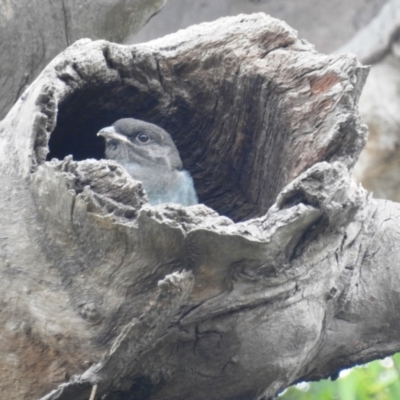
328	25
296	278
378	168
33	32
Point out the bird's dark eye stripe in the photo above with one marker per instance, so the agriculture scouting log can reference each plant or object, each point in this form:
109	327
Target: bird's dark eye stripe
142	137
113	143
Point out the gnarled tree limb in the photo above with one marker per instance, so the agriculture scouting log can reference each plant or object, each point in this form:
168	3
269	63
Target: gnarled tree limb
288	270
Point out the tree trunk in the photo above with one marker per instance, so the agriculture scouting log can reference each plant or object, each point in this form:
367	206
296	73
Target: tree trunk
33	32
378	167
287	271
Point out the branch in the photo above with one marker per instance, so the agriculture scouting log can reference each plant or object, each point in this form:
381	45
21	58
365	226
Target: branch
290	262
374	41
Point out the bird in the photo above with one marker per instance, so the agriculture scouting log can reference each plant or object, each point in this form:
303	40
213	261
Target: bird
149	155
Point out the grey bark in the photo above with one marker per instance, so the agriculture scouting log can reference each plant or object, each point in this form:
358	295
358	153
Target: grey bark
288	271
378	167
33	32
326	24
374	41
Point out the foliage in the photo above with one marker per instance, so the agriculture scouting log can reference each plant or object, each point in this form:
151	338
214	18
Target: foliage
378	380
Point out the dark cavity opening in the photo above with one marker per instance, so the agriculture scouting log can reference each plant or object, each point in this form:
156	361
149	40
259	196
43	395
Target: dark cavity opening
84	113
235	159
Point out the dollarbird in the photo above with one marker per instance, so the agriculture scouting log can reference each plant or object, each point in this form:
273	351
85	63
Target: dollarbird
149	155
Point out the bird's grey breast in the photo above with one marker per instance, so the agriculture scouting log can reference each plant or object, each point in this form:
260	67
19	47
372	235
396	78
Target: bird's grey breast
165	186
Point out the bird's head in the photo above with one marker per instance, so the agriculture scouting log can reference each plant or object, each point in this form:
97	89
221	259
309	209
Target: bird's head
131	140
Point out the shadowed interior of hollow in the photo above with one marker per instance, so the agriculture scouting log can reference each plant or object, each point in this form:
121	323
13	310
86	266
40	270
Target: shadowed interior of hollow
237	161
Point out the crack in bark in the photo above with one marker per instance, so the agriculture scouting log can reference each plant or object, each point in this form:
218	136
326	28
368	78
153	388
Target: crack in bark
161	80
65	19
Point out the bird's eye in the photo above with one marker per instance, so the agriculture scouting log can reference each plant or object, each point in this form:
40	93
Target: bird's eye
142	137
113	143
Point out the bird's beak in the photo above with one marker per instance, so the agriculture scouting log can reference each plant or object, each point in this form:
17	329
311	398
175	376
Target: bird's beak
110	133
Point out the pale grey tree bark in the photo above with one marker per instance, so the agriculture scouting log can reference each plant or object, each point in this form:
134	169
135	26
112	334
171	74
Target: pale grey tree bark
326	24
33	32
378	167
374	41
287	271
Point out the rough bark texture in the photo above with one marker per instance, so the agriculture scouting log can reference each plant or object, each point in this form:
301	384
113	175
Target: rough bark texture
326	24
33	32
378	168
170	302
